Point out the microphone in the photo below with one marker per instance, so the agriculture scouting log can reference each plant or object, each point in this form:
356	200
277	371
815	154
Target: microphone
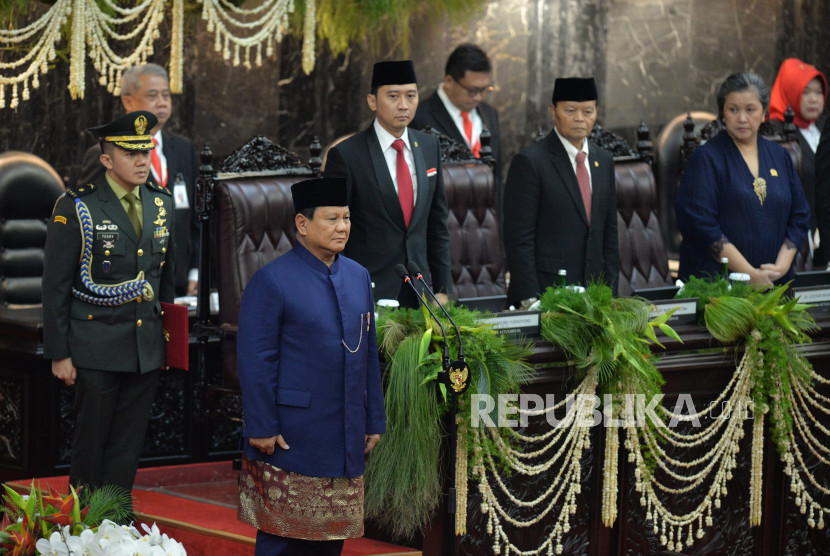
457	376
416	271
401	269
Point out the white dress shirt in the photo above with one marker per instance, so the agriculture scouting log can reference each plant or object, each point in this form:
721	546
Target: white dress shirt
455	114
159	151
811	134
391	155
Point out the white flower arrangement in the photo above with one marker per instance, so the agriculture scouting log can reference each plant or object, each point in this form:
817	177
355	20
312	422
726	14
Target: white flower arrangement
110	539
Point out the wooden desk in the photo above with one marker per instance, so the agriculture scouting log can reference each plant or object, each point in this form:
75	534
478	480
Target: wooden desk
35	436
699	367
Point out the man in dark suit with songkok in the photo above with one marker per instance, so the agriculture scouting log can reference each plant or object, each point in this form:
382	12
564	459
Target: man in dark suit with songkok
396	189
560	202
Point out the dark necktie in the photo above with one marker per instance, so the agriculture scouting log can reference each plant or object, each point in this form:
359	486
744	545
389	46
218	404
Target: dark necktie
132	214
584	182
405	192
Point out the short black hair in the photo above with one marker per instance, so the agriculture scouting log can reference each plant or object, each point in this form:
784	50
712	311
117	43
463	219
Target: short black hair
742	81
467	57
308	212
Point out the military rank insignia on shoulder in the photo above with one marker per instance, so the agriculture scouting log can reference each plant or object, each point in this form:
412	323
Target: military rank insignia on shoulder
159	189
81	191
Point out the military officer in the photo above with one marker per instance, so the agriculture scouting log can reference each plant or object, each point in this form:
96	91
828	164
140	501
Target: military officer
108	266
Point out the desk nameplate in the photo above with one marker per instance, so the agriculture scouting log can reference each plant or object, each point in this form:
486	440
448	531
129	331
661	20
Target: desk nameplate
817	296
519	323
686	312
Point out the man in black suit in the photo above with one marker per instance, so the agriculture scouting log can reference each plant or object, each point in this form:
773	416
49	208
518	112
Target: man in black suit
174	165
396	189
548	187
457	108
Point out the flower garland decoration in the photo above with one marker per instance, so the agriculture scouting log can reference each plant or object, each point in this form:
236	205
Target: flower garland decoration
248	28
243	32
767	381
402	477
607	342
97	27
36	61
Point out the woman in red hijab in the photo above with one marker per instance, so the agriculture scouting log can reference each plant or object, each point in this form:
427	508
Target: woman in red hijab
804	88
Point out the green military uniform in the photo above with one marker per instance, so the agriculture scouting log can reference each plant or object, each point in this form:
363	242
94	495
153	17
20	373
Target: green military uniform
102	291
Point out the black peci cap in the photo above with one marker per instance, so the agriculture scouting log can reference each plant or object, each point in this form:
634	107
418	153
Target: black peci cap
399	72
577	89
319	192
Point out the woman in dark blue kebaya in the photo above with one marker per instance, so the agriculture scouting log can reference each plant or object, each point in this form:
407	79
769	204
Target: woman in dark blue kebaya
740	197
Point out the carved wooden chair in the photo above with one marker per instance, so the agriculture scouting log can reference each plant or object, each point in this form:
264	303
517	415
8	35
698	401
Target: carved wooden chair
643	259
478	262
674	140
249	202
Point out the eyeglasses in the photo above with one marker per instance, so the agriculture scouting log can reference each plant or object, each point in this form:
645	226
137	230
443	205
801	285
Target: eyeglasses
473	91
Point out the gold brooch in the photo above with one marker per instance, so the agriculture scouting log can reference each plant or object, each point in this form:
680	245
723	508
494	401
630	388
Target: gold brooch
760	187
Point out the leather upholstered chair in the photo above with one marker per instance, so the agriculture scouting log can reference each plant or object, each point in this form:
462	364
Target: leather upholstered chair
643	259
668	169
478	262
29	188
255	225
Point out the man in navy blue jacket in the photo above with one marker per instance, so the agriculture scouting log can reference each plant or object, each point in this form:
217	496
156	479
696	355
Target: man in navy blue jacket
311	390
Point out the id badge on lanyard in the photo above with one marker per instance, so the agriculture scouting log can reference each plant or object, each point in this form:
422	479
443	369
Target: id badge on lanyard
180	193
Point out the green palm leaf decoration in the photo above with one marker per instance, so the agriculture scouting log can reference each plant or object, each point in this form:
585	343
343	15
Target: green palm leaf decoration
403	476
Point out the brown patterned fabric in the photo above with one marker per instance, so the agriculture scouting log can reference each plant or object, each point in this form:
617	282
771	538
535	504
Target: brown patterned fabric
298	506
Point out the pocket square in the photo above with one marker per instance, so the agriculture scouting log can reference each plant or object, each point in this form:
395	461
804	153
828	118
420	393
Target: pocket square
431	172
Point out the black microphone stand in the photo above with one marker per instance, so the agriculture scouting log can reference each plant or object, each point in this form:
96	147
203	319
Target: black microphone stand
445	359
456	379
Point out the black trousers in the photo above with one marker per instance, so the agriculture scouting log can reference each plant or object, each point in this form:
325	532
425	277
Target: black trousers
274	545
112	411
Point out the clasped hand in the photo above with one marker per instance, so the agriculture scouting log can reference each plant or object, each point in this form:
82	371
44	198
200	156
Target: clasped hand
766	274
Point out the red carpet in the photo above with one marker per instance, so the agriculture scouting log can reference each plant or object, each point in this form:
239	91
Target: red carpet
196	505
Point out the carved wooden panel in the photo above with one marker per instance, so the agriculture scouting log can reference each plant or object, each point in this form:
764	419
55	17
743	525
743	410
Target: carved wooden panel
11	420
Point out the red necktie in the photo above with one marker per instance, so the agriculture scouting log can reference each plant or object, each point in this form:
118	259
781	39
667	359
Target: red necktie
584	182
405	192
468	131
155	161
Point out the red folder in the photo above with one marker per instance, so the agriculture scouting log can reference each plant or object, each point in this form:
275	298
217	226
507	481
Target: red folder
174	321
